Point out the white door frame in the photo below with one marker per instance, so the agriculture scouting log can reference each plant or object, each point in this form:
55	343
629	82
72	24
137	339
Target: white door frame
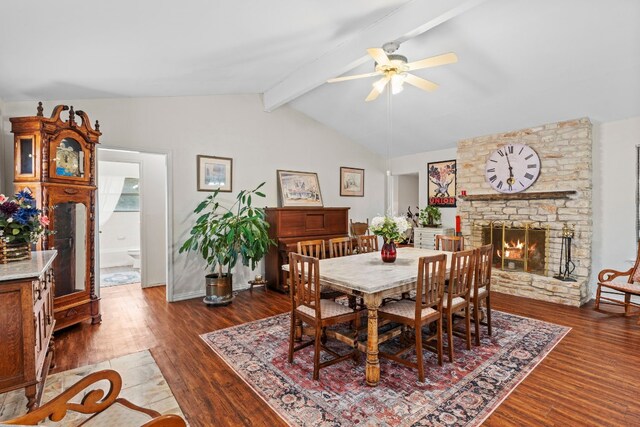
168	213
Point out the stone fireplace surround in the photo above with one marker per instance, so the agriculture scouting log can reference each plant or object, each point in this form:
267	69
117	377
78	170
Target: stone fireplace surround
565	150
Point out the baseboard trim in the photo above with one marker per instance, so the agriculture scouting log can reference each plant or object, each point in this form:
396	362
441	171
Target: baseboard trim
188	295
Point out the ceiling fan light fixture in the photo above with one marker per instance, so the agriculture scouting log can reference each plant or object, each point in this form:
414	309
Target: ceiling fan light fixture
397	83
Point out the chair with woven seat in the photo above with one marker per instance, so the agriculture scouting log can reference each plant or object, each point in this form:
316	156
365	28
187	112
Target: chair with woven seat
308	307
107	410
340	246
627	289
481	289
367	244
449	243
426	309
457	296
316	249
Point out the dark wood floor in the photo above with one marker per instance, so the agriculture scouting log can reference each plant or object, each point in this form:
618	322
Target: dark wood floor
591	378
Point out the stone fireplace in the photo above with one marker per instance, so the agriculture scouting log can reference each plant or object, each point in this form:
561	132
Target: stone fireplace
529	224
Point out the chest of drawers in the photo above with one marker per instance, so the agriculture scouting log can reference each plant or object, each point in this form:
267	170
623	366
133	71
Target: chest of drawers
425	237
26	324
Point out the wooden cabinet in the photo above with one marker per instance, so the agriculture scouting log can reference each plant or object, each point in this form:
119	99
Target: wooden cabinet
288	226
26	324
425	237
55	160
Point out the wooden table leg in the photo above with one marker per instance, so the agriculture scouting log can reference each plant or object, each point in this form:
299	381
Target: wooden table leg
30	393
373	363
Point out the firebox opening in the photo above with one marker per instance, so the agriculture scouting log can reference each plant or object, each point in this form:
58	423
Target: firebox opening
517	248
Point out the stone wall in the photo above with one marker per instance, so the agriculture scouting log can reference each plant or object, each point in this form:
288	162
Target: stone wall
565	151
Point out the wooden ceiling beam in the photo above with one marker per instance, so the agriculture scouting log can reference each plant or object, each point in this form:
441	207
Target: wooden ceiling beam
404	23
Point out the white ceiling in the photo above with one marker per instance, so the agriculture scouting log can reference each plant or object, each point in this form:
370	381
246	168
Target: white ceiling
521	62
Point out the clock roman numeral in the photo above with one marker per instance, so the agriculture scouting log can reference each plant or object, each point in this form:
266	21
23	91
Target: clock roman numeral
520	152
491	170
499	185
532	166
510	149
521	183
494	161
501	153
493	178
528	176
528	157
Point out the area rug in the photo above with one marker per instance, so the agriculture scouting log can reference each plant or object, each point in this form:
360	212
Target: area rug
119	278
463	393
142	384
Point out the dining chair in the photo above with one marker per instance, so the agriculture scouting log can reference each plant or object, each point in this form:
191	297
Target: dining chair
367	244
308	307
426	309
340	246
312	248
449	243
457	296
359	228
480	291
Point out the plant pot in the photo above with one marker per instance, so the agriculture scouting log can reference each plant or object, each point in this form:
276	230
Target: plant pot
218	289
10	252
388	252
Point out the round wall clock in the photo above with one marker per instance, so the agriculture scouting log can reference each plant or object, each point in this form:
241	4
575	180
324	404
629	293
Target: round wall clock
512	168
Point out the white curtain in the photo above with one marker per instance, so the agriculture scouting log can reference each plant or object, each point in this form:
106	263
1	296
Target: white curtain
109	190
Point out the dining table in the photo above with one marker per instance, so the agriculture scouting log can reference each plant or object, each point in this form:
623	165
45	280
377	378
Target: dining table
367	276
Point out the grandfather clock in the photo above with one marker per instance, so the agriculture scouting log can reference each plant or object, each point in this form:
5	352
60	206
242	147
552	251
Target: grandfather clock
55	160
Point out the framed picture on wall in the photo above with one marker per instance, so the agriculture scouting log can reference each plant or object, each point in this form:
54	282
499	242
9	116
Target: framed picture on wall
215	173
351	182
441	184
299	188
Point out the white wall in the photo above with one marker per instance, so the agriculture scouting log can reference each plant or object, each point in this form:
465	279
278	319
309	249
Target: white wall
121	231
614	195
418	163
230	126
408	193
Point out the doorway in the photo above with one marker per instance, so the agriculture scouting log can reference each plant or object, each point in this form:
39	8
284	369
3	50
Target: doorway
132	218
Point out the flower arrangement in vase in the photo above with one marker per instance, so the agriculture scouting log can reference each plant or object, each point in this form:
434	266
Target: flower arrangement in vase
21	224
391	229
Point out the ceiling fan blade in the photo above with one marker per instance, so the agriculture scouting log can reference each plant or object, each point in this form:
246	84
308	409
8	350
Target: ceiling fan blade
378	88
355	76
434	61
379	55
421	83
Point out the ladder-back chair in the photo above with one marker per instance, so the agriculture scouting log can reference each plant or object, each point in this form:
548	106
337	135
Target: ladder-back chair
308	307
457	297
449	243
367	244
340	246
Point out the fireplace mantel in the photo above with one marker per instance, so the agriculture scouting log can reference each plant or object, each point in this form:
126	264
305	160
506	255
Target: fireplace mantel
520	196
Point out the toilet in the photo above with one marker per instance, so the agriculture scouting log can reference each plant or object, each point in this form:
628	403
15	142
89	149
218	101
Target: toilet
135	254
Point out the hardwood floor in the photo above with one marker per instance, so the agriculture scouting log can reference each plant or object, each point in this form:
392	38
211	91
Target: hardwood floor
590	378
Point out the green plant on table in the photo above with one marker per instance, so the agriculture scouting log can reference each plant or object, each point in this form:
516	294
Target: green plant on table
430	216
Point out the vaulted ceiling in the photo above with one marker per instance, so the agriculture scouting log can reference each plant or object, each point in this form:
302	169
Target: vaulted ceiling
521	62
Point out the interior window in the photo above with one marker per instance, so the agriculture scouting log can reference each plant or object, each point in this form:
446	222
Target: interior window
129	200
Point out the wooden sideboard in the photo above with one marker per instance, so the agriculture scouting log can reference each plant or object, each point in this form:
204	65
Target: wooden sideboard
288	226
26	324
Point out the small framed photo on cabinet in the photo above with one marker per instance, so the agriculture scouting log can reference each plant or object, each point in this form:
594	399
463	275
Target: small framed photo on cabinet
215	173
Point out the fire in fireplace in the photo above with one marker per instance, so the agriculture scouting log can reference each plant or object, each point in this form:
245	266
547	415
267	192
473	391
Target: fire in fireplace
517	248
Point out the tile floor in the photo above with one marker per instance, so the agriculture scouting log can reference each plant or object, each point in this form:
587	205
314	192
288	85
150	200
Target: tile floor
142	384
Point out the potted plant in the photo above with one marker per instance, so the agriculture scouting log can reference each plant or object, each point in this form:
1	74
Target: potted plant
430	216
224	235
392	230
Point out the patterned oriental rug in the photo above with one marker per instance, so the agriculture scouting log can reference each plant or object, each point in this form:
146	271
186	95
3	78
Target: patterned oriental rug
463	393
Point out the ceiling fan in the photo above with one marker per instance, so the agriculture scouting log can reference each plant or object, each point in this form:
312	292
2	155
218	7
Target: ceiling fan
395	70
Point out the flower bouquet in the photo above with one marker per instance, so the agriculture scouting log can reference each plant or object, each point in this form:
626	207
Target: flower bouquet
21	224
391	229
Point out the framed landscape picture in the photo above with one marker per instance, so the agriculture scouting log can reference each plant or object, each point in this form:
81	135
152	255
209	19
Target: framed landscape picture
351	182
214	173
441	184
299	188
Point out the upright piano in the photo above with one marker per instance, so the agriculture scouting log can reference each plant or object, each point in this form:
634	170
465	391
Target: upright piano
288	226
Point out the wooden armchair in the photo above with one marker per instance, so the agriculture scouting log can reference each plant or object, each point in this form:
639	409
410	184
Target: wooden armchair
607	279
109	410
